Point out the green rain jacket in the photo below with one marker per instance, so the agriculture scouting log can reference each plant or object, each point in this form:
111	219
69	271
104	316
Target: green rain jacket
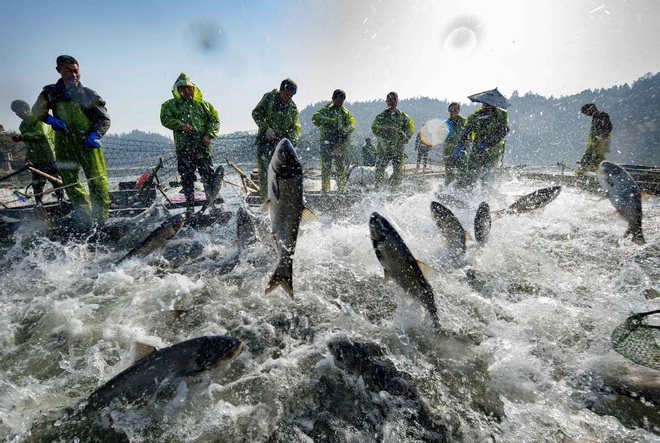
198	113
335	124
403	126
39	138
271	113
455	128
599	134
487	129
82	109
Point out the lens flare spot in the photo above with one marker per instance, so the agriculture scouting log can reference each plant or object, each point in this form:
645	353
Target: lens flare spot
433	132
460	43
207	36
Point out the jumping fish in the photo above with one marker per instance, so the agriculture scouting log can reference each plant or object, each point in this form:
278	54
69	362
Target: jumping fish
286	207
399	264
625	196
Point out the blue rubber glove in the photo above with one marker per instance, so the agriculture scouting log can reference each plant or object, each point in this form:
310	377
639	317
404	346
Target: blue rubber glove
56	124
93	140
458	152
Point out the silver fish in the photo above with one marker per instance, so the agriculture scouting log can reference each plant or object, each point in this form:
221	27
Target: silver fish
158	238
625	196
529	202
451	228
185	359
482	223
399	264
286	207
246	231
213	189
369	361
366	359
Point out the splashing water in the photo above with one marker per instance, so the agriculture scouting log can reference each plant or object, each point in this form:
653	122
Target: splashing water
528	357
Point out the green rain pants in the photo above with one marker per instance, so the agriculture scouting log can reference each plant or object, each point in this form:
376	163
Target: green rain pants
395	154
597	150
334	155
71	155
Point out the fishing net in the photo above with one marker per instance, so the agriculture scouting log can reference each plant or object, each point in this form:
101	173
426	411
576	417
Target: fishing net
128	160
638	341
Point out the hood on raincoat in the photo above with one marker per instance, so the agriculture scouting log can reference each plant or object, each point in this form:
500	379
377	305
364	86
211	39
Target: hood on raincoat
184	80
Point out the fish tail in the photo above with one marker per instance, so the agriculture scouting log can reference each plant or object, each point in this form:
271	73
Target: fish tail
283	277
637	236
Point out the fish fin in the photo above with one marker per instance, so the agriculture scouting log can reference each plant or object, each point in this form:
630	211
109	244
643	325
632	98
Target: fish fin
645	195
282	277
637	236
308	216
141	351
270	240
468	236
265	207
386	276
427	271
651	293
638	239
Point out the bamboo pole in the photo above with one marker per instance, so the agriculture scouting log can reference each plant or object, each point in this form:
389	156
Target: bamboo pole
46	176
253	185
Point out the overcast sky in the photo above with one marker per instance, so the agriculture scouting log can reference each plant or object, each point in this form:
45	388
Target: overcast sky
131	51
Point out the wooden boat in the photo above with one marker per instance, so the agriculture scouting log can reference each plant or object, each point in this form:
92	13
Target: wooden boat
647	177
126	203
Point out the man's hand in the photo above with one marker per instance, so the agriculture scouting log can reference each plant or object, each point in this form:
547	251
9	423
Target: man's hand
185	127
206	141
17	138
56	124
93	140
458	153
270	134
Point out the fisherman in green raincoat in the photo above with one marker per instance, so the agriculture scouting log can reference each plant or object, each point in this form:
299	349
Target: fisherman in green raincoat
455	124
393	128
598	145
335	124
368	153
39	139
194	123
482	143
79	119
276	116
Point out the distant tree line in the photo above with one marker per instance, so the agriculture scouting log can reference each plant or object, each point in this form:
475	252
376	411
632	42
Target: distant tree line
544	131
